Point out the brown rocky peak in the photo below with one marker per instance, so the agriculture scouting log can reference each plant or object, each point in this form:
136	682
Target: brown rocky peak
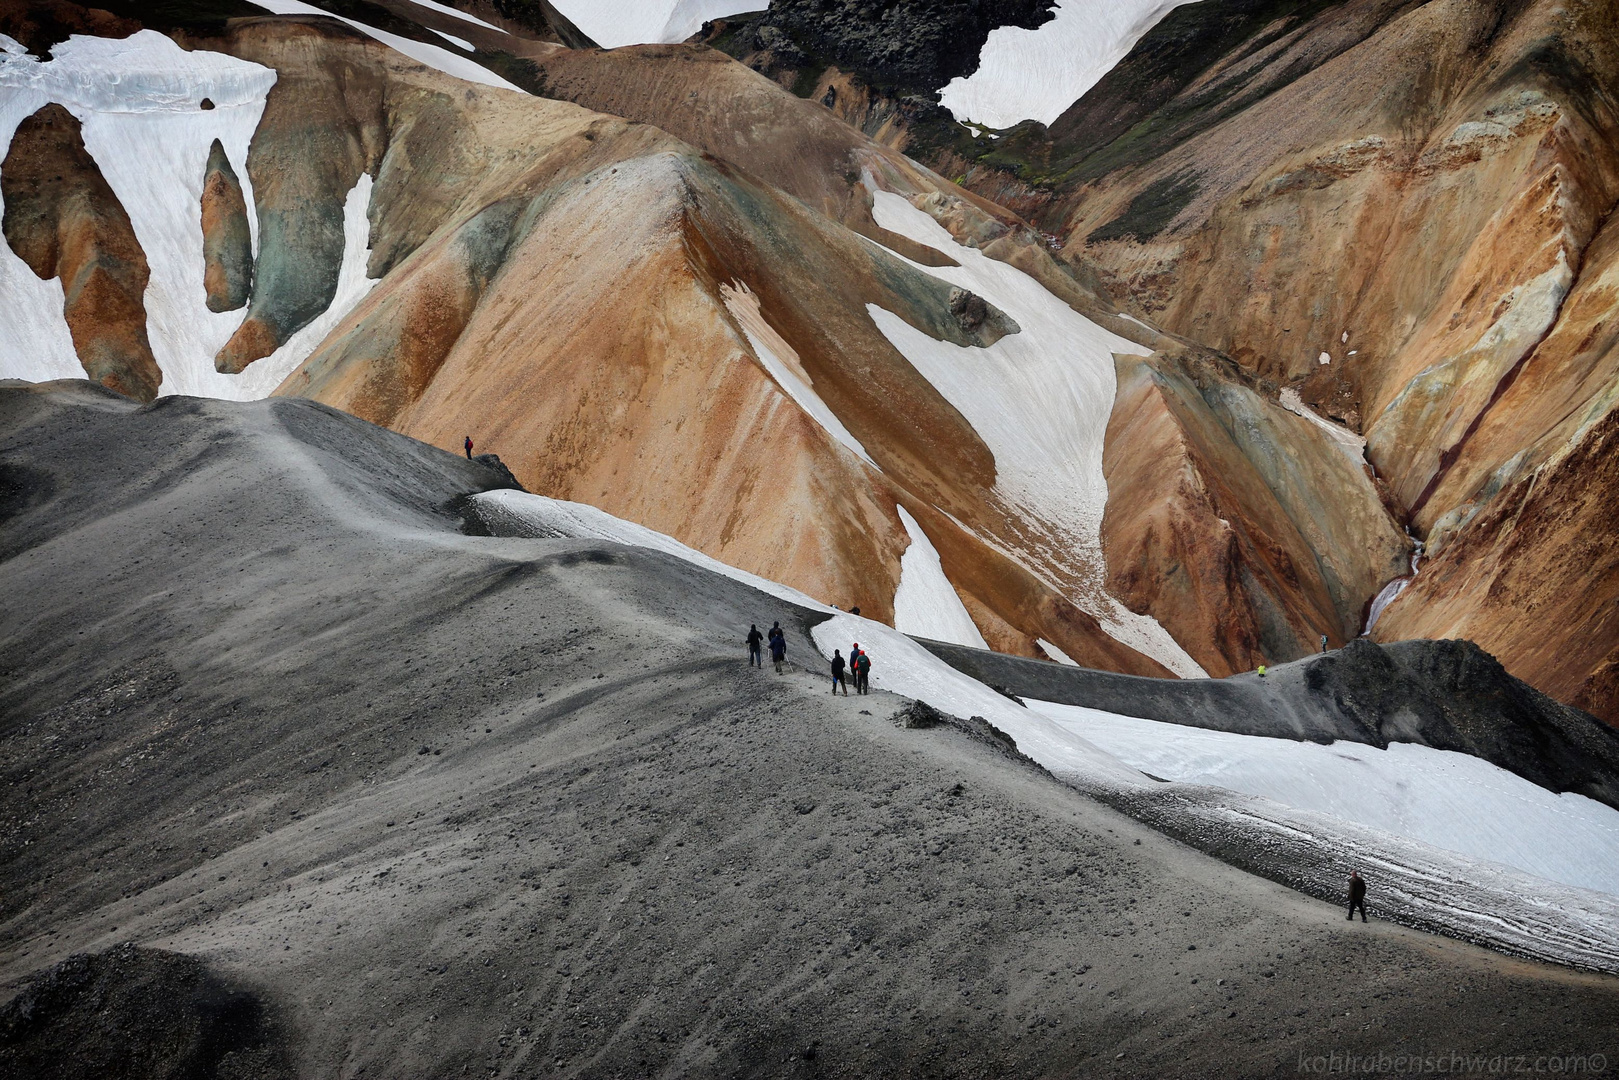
63	220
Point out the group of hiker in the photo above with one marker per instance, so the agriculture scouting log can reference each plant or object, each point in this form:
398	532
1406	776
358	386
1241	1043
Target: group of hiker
777	639
855	669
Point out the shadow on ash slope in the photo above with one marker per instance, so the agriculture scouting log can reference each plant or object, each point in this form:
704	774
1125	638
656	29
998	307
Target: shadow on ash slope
448	804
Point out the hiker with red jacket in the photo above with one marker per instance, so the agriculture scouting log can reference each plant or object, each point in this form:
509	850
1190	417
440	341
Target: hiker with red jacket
862	673
1357	896
469	447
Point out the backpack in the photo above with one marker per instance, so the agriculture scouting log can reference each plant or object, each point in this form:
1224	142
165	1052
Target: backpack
864	663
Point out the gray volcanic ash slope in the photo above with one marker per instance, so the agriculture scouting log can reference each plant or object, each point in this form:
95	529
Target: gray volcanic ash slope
446	803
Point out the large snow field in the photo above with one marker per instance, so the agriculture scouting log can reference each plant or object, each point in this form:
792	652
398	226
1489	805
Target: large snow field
780	360
433	56
612	23
1039	399
1450	800
926	604
1036	74
138	101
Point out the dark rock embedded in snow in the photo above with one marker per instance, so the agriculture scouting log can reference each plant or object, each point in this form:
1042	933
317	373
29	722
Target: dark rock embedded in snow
969	309
908	43
227	243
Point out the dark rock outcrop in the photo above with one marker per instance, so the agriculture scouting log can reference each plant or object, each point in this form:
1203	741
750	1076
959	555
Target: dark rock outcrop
64	221
135	1013
227	242
503	475
40	24
907	43
919	714
1450	695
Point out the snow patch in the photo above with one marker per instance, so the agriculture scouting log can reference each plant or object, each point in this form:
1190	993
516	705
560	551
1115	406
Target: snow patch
461	43
264	375
612	23
901	666
1391	592
1352	445
781	361
1449	800
138	100
1039	399
1037	74
926	604
518	513
433	56
1385	596
445	9
1056	653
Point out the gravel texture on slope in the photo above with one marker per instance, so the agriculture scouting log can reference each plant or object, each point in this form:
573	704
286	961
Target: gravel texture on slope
449	803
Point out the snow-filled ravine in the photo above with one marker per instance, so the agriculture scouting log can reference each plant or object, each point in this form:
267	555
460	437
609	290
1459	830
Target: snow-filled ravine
1039	399
445	9
1453	801
612	23
781	362
926	604
138	100
1036	74
434	56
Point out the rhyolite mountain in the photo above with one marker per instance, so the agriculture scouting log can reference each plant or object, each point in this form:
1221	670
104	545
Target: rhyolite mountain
655	280
1400	211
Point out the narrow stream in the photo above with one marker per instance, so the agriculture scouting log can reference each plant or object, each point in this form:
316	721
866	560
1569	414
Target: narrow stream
1391	592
